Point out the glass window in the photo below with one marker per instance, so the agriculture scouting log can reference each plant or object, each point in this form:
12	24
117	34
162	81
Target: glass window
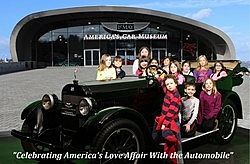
125	43
158	54
102	30
45	38
96	57
91	44
189	46
43	53
61	30
91	29
205	48
60	48
174	44
130	57
88	57
107	46
75	49
155	54
162	54
146	30
76	29
159	43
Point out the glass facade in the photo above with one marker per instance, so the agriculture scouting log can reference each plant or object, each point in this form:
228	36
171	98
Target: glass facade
84	45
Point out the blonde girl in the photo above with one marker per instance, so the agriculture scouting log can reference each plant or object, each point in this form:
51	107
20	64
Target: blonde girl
210	105
143	51
105	71
202	72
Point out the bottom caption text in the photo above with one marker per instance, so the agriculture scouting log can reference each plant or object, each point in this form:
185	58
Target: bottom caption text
128	155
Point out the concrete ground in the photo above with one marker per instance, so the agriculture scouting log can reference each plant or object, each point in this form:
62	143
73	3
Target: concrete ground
21	88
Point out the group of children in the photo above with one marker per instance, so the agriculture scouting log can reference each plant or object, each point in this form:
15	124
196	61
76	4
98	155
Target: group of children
194	114
180	116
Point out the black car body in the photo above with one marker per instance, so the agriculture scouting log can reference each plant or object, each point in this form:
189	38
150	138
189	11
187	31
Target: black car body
114	116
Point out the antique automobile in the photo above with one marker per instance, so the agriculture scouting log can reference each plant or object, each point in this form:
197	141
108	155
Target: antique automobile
115	116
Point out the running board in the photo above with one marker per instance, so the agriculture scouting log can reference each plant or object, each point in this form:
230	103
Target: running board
197	135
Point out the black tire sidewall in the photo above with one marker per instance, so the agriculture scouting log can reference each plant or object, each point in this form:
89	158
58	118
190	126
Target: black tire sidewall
112	126
219	138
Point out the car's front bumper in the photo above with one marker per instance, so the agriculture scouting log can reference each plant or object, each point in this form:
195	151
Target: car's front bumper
33	139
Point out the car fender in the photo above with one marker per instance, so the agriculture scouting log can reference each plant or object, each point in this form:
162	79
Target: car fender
112	113
91	127
235	98
30	108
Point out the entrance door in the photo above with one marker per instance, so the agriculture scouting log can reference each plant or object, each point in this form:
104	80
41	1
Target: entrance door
159	54
128	55
91	57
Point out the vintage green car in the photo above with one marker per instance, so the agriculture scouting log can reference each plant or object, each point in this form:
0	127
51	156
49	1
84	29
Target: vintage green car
114	116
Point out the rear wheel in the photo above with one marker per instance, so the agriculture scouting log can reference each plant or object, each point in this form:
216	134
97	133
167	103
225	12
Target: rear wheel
119	137
227	123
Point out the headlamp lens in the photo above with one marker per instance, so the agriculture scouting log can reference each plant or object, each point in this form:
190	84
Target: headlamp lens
47	101
85	106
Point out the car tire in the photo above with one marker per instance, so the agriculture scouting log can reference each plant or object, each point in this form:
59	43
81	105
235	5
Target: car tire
227	123
119	136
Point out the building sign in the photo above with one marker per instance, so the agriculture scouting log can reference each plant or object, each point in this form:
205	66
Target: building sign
125	27
123	36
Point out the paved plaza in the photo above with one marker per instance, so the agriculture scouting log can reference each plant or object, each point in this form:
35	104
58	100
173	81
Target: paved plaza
21	88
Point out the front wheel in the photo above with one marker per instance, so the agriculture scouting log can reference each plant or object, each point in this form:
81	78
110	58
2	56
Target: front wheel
120	136
227	123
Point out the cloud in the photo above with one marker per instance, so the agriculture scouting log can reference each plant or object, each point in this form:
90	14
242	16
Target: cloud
184	4
201	14
4	48
241	41
242	45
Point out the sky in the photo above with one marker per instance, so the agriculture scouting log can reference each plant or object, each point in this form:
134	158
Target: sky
230	16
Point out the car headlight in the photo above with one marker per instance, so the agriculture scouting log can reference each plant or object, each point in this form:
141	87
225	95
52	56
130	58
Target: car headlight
48	101
85	106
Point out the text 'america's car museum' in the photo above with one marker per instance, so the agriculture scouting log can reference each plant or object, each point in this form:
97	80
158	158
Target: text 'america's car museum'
79	36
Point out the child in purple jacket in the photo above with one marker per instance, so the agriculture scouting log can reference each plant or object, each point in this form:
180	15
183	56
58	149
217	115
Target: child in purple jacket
210	106
202	72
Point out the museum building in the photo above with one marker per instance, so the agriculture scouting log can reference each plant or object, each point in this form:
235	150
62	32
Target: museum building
79	36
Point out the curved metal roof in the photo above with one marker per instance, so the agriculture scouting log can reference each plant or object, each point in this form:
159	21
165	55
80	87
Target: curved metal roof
34	23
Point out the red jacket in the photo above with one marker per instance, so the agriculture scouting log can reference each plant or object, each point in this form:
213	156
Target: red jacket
170	109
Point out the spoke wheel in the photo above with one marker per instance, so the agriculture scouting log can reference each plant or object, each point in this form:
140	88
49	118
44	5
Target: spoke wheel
119	137
227	123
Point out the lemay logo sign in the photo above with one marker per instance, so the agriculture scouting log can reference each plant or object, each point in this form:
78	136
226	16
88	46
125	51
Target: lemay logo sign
125	27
